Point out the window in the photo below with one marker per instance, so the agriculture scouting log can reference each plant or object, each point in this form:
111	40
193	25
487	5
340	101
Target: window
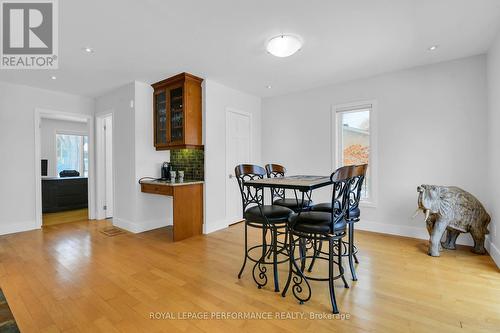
354	141
72	153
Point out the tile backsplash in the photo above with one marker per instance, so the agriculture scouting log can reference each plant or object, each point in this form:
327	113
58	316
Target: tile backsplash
191	161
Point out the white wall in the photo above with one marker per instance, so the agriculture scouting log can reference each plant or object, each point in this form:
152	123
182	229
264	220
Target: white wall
153	211
48	130
216	99
134	157
118	102
493	67
17	148
431	130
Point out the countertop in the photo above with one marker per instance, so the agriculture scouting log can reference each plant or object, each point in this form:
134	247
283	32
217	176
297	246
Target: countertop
170	183
61	178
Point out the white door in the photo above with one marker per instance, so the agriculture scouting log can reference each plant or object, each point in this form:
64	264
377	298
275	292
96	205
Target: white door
108	153
238	151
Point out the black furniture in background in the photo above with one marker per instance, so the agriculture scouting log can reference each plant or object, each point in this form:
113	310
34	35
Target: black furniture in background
60	194
44	167
69	173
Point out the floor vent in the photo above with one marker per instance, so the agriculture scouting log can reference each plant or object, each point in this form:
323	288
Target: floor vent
113	231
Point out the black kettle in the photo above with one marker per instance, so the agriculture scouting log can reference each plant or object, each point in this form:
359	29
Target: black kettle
165	171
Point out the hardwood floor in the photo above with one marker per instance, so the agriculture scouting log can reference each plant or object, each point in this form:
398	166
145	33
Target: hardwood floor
65	217
72	278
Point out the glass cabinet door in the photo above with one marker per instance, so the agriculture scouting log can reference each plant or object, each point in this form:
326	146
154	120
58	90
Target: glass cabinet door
176	115
161	118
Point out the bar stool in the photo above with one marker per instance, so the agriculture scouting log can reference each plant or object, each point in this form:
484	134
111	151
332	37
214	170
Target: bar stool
269	218
349	248
322	226
278	194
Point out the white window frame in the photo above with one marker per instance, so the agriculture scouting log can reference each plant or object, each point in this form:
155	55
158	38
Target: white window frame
74	133
336	139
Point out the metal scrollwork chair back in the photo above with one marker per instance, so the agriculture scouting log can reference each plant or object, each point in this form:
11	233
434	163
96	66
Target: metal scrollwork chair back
276	171
250	195
358	177
341	180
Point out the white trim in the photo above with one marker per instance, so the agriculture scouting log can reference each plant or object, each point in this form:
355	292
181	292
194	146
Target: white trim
418	232
216	226
13	227
141	227
100	168
40	113
334	139
229	170
70	132
493	251
393	229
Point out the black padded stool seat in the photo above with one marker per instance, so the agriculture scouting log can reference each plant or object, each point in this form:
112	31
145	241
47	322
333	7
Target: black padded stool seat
315	222
274	213
293	203
354	213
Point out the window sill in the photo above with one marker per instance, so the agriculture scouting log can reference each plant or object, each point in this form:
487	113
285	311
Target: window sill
367	204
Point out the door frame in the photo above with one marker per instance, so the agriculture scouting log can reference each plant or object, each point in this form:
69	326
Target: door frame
100	180
40	113
230	170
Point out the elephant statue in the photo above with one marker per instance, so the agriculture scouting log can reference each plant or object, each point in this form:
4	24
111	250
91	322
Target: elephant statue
457	211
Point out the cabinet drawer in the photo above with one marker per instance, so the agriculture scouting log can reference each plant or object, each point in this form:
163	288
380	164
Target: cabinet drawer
157	189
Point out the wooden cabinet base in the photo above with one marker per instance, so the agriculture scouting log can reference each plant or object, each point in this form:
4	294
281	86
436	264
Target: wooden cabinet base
188	211
187	205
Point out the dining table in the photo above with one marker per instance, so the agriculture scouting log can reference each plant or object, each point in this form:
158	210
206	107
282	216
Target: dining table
304	184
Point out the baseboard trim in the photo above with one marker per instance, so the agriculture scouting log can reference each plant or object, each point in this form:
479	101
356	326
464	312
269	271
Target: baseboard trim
421	233
404	230
14	227
493	251
215	226
136	227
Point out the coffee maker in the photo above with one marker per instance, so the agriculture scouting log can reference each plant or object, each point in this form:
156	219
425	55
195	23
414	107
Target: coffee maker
165	171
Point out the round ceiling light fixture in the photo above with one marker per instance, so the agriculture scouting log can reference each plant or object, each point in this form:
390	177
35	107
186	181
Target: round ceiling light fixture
284	45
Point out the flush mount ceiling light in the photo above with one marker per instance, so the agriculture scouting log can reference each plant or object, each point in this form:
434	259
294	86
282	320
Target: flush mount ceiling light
53	77
269	87
433	48
284	45
88	49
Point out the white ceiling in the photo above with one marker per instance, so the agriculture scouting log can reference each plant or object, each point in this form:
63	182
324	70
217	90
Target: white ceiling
224	40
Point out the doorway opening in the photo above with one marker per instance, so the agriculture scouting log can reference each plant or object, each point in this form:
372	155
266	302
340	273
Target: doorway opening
63	167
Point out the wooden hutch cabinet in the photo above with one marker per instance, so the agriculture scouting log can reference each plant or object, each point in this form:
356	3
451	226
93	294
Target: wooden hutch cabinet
177	112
